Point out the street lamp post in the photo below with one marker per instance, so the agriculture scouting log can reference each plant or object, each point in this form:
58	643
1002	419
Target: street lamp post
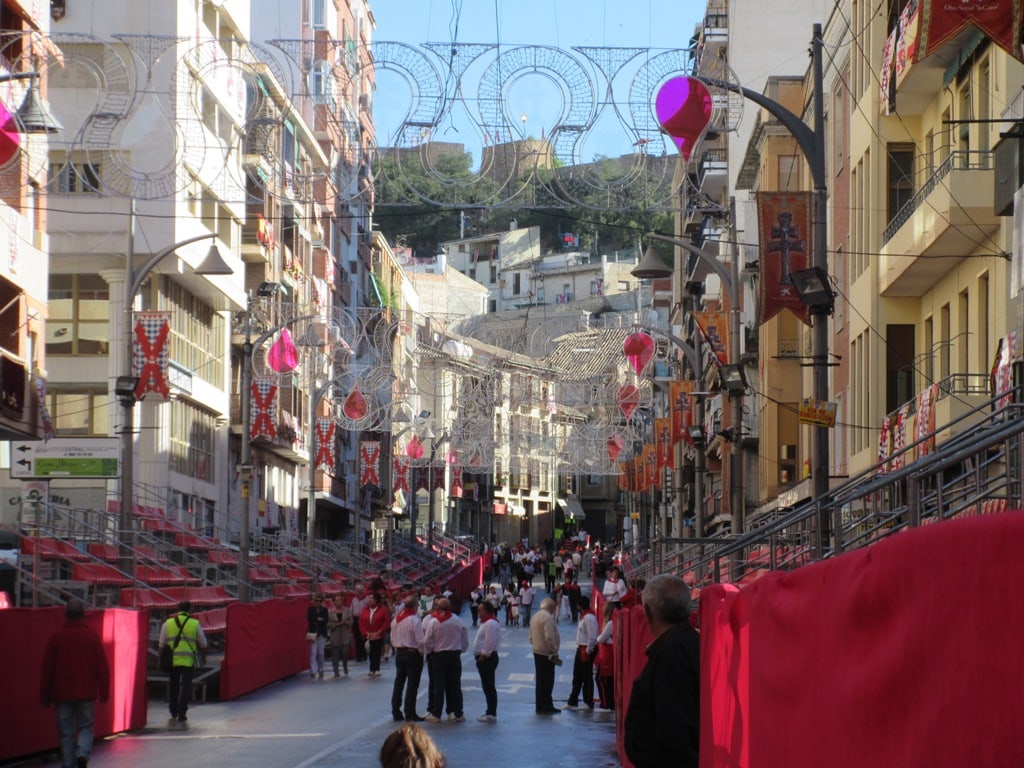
246	469
124	388
812	143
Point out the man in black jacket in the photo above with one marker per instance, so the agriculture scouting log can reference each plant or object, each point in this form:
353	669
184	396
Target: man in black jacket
663	720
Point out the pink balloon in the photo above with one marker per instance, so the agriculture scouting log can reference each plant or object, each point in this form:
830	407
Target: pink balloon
282	356
639	349
683	106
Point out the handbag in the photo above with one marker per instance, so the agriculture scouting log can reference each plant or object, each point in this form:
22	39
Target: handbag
311	637
167	650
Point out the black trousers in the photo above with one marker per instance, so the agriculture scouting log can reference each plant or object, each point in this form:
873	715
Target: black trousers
375	648
408	669
545	675
446	681
359	640
582	679
180	694
486	668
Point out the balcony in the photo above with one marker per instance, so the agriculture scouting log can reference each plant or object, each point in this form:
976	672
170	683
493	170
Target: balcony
714	33
952	212
919	81
713	173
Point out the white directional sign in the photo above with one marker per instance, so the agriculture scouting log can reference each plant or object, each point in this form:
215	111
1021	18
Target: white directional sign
66	457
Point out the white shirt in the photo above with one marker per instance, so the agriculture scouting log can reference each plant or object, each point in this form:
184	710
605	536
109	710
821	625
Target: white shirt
586	631
614	590
488	638
407	633
450	635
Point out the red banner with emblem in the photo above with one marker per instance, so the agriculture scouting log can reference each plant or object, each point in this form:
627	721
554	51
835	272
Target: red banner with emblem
681	405
150	354
263	409
715	328
784	229
941	20
663	443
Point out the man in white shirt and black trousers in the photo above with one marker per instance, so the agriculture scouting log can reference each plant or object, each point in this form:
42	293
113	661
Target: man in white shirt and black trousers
485	651
583	665
407	640
446	639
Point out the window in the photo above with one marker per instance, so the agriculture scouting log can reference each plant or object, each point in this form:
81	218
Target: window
321	84
900	169
75	178
316	14
193	432
79	321
517	284
789	173
216	217
78	412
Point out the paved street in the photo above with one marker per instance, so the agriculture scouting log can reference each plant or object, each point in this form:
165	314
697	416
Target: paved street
302	723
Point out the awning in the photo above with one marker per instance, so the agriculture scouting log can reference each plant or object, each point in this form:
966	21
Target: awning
572	508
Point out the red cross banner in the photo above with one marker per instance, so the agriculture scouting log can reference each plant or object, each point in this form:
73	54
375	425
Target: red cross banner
784	229
325	458
263	409
400	473
150	354
369	462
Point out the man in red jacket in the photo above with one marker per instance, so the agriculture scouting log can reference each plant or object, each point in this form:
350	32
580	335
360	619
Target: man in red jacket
75	673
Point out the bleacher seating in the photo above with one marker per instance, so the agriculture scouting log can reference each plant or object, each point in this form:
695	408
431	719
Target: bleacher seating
103	551
165	575
52	549
169	597
99	574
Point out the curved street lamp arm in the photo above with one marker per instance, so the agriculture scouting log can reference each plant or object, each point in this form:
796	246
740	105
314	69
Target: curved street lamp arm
140	276
716	266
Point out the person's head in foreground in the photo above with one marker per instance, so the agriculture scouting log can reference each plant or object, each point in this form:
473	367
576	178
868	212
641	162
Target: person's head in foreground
409	746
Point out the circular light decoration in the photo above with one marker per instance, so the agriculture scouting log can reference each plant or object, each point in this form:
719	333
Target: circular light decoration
683	106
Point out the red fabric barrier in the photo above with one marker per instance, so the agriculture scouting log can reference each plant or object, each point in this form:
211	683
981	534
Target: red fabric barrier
632	636
264	642
884	656
27	727
467	578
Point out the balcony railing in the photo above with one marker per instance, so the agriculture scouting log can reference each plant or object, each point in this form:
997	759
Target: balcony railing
955	161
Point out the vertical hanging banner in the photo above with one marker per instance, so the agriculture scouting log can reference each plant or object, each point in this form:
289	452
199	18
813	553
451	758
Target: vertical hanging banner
369	463
924	427
150	353
715	327
652	477
325	455
681	402
884	446
663	443
899	437
400	473
44	413
784	233
263	409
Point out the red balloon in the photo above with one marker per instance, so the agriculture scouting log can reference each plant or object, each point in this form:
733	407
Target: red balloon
415	448
684	106
629	399
615	445
355	406
639	349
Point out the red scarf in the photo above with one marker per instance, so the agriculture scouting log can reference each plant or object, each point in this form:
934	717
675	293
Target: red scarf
442	616
405	613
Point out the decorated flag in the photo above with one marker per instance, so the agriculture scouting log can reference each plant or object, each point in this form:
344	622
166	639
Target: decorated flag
784	228
263	409
924	427
400	473
942	20
325	454
714	326
44	414
369	464
150	354
681	404
663	443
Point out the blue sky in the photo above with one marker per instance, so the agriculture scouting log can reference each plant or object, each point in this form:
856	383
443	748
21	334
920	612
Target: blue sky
656	24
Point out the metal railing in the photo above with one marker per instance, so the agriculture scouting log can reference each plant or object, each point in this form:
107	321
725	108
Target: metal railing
978	471
954	161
